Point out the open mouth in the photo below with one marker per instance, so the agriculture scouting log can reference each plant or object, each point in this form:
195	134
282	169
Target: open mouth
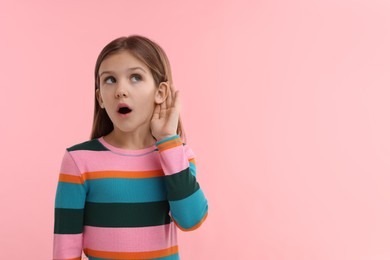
124	110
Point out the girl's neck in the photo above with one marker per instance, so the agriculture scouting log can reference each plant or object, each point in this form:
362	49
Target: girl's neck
129	140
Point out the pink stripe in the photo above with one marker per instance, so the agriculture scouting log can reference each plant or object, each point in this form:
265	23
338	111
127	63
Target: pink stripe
68	166
130	239
67	246
106	160
174	160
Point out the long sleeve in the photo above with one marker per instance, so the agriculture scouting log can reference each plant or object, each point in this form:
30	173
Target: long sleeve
69	211
188	204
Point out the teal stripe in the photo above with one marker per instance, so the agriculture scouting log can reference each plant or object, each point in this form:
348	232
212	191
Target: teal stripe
68	221
189	211
180	185
171	257
91	145
193	168
70	195
167	139
126	214
123	190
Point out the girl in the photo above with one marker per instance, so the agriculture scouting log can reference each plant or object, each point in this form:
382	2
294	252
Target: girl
123	193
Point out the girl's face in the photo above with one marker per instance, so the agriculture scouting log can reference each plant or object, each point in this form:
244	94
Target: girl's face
125	80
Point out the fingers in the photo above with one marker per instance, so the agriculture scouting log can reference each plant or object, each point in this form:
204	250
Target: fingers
156	113
173	91
168	101
177	102
163	109
171	96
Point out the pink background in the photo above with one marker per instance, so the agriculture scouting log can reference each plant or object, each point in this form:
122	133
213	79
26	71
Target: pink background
286	104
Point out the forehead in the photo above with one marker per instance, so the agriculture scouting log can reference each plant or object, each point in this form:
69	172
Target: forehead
120	61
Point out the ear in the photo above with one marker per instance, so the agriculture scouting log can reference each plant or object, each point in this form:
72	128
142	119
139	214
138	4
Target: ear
99	98
161	93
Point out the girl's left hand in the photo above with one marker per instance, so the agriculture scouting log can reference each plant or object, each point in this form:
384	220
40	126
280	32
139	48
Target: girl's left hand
165	117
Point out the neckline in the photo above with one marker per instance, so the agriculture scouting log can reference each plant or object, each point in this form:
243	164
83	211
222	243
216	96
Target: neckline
126	151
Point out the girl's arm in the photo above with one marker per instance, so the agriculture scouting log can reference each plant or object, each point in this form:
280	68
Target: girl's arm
69	211
187	202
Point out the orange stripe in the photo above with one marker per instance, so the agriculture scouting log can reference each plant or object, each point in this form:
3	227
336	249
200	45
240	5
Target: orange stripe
194	227
132	255
192	160
171	141
169	144
122	174
70	178
168	147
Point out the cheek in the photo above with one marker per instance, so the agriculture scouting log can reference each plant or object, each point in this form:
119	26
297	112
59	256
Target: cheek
149	98
109	94
104	95
149	105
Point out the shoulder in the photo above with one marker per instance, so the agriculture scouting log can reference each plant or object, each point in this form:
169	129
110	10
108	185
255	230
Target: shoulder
90	145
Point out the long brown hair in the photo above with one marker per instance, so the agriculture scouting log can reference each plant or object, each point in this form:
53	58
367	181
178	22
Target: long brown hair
146	51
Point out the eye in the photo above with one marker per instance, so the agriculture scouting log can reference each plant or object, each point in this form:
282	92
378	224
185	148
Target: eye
135	77
109	80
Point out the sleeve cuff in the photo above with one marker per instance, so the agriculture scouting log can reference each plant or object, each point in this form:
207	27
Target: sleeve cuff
168	143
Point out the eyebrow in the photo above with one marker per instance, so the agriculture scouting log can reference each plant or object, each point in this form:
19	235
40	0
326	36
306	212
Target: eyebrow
129	69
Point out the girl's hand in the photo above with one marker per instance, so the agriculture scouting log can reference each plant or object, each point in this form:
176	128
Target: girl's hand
165	117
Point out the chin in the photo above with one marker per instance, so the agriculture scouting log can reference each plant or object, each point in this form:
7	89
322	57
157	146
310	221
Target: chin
129	128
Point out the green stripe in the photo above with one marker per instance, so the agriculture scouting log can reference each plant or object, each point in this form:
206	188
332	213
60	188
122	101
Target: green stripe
126	214
68	221
91	145
180	185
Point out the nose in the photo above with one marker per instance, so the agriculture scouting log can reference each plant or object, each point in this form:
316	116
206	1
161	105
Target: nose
121	91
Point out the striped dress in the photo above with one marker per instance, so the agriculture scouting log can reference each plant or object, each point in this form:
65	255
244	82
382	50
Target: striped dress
114	203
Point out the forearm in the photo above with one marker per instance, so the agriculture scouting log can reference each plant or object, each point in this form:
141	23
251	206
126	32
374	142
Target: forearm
188	203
